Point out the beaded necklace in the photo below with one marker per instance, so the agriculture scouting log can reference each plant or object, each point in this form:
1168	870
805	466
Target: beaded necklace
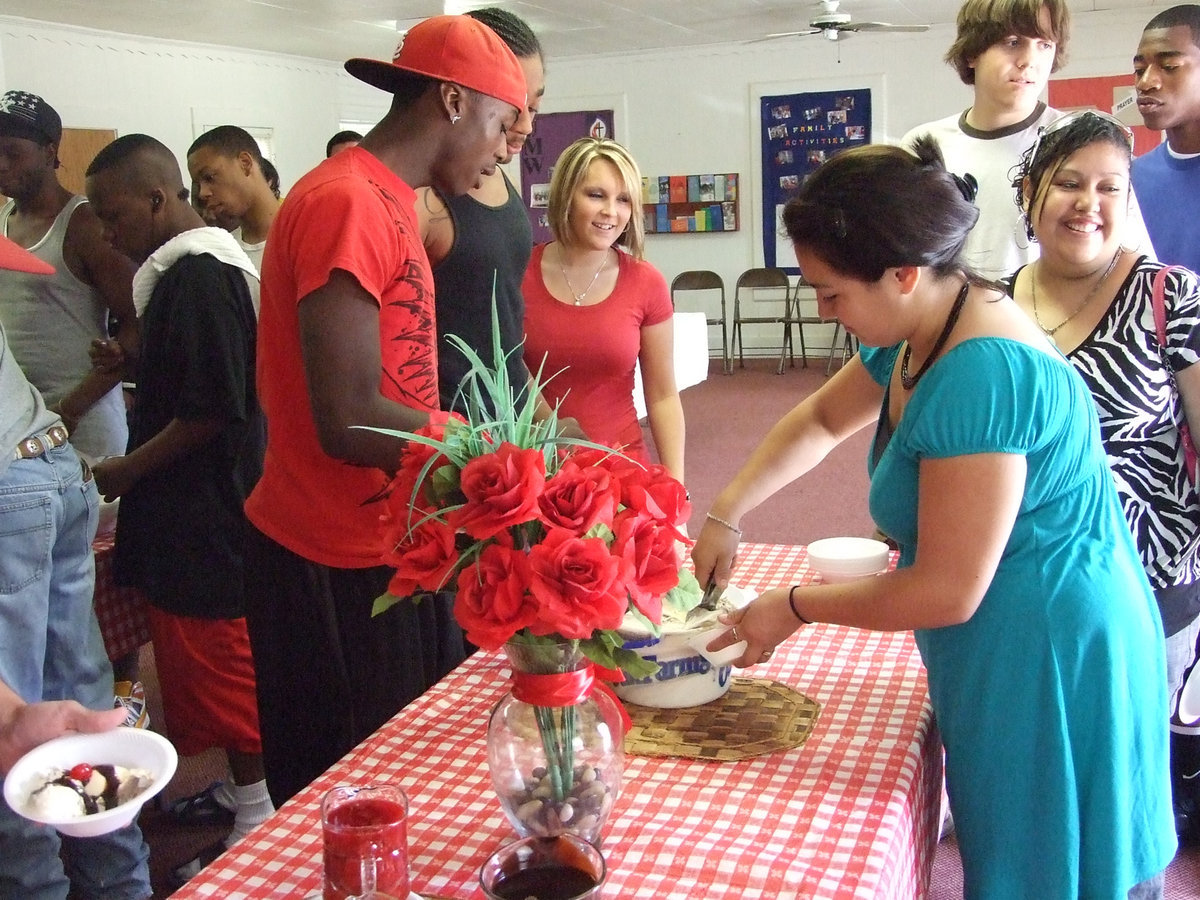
910	381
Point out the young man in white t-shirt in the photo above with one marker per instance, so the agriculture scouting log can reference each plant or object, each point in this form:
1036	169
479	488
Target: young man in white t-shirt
227	169
1006	51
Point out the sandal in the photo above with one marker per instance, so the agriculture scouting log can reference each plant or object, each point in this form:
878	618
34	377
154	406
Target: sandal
202	808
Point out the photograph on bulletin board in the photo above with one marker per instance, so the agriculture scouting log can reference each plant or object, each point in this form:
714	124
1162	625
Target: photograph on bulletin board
552	134
799	132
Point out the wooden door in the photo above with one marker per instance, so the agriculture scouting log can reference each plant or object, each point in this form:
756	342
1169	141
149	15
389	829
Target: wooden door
76	151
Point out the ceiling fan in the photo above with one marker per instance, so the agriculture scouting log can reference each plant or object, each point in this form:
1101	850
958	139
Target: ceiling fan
834	25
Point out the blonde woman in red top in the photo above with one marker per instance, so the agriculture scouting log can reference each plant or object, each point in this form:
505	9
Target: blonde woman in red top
594	307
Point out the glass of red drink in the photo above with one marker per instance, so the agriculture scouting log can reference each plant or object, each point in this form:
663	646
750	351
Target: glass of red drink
365	832
565	867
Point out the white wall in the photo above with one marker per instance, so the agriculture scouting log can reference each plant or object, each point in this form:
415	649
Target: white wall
680	111
169	89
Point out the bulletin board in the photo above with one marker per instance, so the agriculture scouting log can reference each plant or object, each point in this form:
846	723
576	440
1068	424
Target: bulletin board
552	134
798	133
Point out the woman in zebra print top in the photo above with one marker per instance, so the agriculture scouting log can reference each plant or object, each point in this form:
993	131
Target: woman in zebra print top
1092	296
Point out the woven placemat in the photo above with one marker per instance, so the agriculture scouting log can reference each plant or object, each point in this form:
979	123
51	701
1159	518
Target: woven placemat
753	718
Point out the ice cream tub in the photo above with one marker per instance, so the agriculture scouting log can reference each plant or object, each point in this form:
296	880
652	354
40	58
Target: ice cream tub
685	676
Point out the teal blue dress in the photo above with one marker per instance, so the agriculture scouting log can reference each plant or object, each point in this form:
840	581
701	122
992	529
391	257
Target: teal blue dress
1051	699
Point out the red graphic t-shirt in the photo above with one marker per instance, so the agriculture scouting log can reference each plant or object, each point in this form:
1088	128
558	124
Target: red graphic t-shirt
350	213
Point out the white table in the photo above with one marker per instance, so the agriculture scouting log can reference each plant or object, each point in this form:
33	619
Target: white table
691	356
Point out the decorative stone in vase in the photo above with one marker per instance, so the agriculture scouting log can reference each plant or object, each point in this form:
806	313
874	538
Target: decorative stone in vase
555	743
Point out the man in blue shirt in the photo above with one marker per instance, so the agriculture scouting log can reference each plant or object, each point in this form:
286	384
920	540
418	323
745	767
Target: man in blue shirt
1166	72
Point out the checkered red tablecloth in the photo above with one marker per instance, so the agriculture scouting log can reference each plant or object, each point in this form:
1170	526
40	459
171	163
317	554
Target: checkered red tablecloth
121	611
854	812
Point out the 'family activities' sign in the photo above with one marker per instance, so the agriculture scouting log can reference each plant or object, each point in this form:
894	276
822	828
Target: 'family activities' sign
799	132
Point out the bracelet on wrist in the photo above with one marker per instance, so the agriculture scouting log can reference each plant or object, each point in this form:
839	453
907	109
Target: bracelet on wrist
792	604
722	522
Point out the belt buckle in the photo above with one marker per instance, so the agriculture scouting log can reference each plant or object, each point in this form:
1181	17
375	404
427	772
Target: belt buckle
29	448
41	444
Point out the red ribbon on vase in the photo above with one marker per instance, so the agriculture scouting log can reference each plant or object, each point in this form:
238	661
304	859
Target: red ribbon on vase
570	688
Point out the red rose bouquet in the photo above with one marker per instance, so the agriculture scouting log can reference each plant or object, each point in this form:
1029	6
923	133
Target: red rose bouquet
545	540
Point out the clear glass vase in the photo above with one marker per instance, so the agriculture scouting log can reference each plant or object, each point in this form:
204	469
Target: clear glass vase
556	768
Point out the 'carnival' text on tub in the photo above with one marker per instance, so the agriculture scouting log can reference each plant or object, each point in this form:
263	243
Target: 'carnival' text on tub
677	668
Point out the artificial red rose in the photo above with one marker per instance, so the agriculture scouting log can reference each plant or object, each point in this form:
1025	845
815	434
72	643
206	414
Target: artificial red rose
492	603
416	454
650	551
501	490
424	554
577	498
578	585
401	494
611	461
656	493
400	587
399	515
399	511
441	423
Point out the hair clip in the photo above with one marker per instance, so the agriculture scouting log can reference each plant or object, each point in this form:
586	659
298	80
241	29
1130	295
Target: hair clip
967	186
838	222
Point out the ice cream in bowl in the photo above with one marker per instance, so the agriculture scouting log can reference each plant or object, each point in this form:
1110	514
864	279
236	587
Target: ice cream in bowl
84	785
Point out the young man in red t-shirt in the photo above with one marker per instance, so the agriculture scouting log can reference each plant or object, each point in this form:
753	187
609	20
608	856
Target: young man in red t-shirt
347	338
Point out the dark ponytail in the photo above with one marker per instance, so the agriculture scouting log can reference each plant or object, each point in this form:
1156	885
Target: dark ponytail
870	209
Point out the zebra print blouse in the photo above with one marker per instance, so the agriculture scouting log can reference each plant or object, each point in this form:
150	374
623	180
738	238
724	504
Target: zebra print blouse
1139	406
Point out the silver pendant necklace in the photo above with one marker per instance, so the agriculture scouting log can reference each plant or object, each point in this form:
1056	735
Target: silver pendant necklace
579	297
1050	332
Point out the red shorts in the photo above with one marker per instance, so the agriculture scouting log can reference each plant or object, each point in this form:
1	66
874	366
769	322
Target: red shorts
207	678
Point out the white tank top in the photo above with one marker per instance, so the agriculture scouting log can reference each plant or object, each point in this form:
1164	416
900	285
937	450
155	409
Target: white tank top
50	321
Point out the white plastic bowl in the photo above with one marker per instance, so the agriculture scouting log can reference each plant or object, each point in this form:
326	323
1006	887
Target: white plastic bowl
841	559
134	748
686	677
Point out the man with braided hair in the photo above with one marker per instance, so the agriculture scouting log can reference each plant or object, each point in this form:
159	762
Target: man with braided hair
484	237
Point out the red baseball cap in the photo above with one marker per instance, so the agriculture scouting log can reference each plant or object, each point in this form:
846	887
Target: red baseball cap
450	48
18	259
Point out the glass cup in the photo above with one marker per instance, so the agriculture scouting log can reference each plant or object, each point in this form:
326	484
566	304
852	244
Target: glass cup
365	835
557	868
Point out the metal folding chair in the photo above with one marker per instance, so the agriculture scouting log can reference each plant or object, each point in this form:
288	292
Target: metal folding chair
803	311
849	346
704	280
775	281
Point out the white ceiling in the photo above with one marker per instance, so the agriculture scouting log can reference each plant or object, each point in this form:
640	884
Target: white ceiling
339	29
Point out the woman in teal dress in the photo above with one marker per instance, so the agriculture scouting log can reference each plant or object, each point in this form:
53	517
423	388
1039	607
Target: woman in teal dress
1017	572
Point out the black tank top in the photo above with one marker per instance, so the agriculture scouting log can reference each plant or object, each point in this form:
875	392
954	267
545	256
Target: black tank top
488	241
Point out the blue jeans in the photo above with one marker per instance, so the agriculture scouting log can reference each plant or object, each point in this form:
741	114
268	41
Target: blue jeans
51	649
